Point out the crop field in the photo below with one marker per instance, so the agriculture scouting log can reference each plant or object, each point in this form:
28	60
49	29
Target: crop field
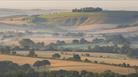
100	57
69	65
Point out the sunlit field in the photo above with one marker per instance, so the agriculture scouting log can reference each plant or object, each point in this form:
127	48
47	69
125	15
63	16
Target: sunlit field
69	65
100	57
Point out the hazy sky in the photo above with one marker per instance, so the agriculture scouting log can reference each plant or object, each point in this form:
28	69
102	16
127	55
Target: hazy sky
69	4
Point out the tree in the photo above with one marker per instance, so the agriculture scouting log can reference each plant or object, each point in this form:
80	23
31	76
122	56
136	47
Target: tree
58	42
56	56
51	46
75	41
83	41
5	49
89	48
37	64
128	65
125	48
40	45
41	63
87	9
10	69
45	62
76	57
27	44
32	53
124	64
13	52
87	54
26	67
108	73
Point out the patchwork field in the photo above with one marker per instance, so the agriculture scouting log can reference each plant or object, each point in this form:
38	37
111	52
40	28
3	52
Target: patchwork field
100	57
69	65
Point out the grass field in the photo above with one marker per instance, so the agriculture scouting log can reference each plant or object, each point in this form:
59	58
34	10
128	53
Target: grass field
100	57
69	14
69	65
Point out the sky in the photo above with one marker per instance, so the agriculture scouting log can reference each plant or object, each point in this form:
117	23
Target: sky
69	4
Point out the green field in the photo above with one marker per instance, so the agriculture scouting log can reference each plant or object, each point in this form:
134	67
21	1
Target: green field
80	46
70	14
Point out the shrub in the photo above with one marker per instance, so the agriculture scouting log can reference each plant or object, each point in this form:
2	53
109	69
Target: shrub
56	56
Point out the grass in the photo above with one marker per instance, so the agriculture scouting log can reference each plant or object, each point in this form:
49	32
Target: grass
100	57
69	65
69	14
74	14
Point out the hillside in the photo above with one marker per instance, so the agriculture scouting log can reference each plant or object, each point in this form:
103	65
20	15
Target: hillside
68	21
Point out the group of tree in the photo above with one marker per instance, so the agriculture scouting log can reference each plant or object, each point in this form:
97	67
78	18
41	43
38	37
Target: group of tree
10	51
32	53
75	57
110	49
42	63
10	69
5	50
97	48
26	44
116	39
133	53
31	46
56	56
88	9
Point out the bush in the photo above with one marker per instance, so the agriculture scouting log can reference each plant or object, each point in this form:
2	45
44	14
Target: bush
87	60
32	53
41	63
56	56
27	44
14	53
75	57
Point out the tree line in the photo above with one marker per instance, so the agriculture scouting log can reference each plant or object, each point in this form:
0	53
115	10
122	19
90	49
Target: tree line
87	9
30	45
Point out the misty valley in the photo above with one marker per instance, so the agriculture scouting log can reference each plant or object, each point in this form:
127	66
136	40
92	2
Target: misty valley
82	42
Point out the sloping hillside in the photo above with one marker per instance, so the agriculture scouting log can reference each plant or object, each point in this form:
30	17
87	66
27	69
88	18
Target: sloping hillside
86	21
68	21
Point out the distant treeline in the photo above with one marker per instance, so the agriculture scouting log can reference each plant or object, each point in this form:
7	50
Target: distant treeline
110	44
118	44
88	9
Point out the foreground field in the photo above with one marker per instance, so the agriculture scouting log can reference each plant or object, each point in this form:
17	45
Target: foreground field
100	57
69	65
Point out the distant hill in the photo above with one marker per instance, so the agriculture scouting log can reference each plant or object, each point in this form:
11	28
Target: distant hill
88	21
75	21
104	22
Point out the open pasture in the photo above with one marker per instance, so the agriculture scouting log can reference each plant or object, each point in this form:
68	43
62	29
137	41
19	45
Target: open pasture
109	58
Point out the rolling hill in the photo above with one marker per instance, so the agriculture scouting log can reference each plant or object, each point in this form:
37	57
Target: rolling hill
68	21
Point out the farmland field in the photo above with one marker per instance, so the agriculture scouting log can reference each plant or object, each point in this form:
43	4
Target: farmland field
68	38
100	57
69	65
